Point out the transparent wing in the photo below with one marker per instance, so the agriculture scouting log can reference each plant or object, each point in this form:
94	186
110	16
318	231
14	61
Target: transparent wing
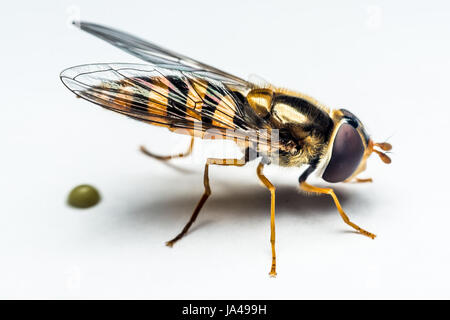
177	99
155	54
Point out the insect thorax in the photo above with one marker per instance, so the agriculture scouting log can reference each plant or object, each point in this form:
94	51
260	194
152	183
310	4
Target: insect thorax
304	125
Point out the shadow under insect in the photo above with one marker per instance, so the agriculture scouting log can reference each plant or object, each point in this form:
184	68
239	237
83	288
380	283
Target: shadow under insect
229	202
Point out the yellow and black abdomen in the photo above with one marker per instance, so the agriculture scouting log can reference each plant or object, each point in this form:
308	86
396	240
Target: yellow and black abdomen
177	102
168	98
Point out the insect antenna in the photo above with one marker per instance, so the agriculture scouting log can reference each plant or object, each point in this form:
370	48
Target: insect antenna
385	146
384	157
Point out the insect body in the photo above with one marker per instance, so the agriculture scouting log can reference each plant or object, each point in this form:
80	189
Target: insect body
186	96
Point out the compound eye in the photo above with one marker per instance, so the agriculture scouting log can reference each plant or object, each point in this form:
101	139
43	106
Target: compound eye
348	150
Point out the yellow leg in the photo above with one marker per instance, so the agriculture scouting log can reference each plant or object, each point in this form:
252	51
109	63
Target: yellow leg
359	180
165	158
206	193
269	185
354	179
330	191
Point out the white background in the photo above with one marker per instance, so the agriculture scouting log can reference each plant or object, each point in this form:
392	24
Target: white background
388	62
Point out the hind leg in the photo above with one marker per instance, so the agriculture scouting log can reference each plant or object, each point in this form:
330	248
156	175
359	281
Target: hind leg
166	158
206	193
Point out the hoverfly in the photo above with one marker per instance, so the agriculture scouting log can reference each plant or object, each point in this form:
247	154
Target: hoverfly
190	97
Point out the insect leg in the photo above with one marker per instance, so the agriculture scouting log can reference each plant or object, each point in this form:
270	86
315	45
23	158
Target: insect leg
306	187
206	194
165	158
354	178
359	180
270	186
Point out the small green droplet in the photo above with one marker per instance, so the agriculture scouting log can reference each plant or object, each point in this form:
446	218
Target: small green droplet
83	196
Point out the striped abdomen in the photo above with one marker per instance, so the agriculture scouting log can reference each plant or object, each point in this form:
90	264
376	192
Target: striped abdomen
177	102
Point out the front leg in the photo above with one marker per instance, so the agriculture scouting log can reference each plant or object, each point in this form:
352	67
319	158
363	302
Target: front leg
355	179
358	180
309	188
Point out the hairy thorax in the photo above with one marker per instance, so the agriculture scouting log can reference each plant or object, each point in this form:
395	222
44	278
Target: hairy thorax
304	124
